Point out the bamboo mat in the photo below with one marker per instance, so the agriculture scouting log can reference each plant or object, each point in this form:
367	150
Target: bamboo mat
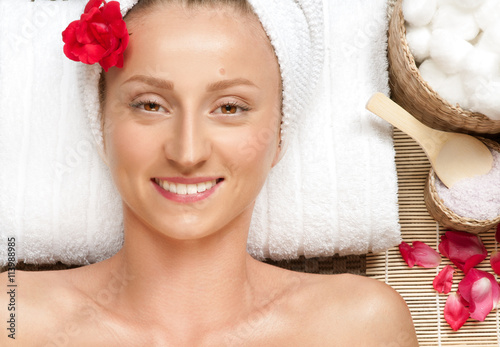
415	285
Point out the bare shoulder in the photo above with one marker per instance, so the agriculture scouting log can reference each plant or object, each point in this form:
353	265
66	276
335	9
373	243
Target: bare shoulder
348	308
40	302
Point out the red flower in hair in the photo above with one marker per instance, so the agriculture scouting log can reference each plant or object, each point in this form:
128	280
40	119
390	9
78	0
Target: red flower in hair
99	36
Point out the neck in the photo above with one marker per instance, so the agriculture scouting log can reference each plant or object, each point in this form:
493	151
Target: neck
205	282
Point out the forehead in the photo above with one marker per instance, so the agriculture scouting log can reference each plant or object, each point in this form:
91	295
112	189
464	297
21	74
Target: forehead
199	35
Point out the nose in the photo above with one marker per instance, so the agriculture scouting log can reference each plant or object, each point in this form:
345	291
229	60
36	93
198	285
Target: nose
189	145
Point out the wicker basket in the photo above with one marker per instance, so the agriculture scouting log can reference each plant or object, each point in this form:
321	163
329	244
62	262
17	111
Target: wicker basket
413	93
447	217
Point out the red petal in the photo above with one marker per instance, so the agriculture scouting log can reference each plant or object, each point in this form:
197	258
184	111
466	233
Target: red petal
481	291
91	4
69	34
406	252
89	54
455	312
495	262
111	11
497	233
424	255
444	280
109	61
465	250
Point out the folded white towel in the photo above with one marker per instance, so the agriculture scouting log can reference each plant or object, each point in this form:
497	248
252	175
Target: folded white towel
336	189
333	192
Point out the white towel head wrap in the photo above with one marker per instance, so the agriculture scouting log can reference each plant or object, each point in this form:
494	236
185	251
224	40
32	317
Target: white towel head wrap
295	28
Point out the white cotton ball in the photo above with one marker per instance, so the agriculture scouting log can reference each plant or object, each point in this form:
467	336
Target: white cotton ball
418	12
490	39
460	22
418	40
481	63
432	74
487	14
452	90
448	50
467	4
486	100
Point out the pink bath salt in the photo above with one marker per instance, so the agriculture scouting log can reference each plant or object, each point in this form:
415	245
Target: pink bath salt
476	197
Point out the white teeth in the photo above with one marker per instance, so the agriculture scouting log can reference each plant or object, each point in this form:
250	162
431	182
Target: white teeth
201	187
192	189
184	189
181	189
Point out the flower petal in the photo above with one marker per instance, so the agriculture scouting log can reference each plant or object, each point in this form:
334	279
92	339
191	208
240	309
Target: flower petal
99	36
455	312
444	280
424	255
481	300
481	291
497	233
91	4
495	262
406	252
465	250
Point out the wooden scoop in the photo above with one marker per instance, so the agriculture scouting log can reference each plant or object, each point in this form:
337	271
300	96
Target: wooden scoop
453	156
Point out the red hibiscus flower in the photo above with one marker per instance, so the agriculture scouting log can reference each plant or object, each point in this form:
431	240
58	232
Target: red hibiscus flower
465	250
99	36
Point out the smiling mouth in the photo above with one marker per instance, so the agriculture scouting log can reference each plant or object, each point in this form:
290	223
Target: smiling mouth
186	189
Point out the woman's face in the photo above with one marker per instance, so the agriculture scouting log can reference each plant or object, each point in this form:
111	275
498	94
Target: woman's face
192	120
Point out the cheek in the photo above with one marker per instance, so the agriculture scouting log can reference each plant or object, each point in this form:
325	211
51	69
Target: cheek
128	147
253	150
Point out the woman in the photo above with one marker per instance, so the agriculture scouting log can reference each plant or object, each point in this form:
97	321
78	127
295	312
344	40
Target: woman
197	81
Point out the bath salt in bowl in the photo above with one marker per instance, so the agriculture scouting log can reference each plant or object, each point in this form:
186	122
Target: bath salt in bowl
472	204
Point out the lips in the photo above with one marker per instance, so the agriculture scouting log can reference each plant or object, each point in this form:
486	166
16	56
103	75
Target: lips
186	188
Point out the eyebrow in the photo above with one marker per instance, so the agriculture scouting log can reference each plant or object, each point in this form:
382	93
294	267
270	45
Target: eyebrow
169	85
152	81
229	83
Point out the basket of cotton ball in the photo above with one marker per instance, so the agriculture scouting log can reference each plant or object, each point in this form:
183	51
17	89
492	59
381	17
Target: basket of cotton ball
471	204
444	63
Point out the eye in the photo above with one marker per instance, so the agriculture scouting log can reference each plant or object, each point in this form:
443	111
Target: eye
151	106
231	108
148	106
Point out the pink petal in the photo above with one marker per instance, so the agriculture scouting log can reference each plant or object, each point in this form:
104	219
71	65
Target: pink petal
495	262
465	250
443	281
455	313
424	255
481	291
406	252
481	299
